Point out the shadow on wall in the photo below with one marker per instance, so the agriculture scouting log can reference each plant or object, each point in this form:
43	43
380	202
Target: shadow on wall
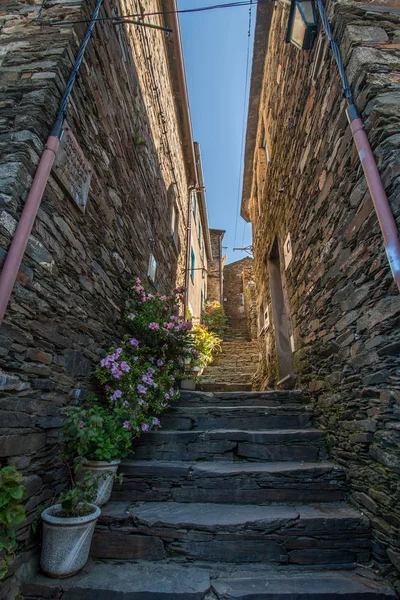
67	303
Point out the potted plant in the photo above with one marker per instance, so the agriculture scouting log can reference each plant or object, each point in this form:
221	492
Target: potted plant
68	529
12	513
97	436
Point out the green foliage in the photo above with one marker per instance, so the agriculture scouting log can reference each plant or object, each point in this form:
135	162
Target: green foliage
214	318
12	513
97	431
206	343
140	373
75	501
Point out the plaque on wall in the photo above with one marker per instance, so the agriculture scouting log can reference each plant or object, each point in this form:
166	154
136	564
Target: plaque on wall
72	169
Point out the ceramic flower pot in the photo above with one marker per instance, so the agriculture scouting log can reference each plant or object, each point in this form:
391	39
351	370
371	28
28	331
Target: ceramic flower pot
66	541
102	471
197	371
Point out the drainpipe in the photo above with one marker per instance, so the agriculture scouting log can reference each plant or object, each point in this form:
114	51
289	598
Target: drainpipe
31	207
188	244
375	185
221	277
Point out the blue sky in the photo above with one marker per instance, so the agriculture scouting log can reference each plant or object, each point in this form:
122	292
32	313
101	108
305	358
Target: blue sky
215	50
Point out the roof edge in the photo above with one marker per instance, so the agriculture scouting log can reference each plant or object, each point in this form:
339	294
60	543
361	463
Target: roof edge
261	37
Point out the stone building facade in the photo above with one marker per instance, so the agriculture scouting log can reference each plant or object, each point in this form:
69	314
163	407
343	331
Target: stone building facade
236	276
200	246
329	310
130	117
216	267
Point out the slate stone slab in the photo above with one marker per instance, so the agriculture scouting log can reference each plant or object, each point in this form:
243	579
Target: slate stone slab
129	581
244	398
227	417
315	586
229	444
227	482
322	534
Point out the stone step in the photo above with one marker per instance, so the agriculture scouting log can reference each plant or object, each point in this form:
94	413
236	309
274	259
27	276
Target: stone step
323	585
239	482
171	580
223	387
230	444
279	534
289	416
268	398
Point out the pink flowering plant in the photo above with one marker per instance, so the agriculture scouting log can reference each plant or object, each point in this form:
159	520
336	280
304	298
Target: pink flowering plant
140	375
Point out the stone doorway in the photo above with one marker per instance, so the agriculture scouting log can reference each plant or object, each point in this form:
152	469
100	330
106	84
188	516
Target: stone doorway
279	313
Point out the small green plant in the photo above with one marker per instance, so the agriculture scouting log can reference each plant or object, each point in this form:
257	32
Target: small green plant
206	343
75	502
97	431
214	318
12	513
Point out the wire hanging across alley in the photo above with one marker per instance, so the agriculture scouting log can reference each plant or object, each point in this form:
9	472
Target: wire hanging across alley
181	11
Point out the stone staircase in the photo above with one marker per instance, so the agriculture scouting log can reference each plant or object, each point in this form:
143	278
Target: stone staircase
233	368
234	498
237	330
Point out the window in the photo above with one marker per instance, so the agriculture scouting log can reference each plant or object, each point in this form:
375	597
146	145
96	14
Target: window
175	223
202	251
192	264
199	231
194	205
151	272
261	319
265	146
201	302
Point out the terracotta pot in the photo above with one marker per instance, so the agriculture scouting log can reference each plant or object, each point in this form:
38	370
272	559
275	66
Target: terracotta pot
66	541
102	471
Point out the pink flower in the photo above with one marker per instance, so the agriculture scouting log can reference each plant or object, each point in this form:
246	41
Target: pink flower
107	388
141	389
145	427
154	326
156	421
127	425
116	394
159	363
163	298
134	342
81	426
131	316
125	367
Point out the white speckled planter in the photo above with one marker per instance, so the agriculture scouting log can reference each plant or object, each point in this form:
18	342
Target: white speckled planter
105	482
66	541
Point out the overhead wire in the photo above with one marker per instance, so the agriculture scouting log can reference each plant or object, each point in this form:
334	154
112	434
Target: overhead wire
244	121
180	11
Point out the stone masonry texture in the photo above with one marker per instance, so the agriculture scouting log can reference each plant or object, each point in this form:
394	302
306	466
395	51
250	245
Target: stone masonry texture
235	277
67	304
215	267
342	304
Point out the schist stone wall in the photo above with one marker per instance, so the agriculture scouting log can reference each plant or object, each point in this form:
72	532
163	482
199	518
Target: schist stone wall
234	299
309	196
215	267
67	303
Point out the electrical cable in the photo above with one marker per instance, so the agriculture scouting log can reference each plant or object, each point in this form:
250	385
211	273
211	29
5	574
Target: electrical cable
161	13
338	58
58	125
243	123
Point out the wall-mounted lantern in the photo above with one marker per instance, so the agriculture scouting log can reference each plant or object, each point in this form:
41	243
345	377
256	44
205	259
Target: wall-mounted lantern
302	24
